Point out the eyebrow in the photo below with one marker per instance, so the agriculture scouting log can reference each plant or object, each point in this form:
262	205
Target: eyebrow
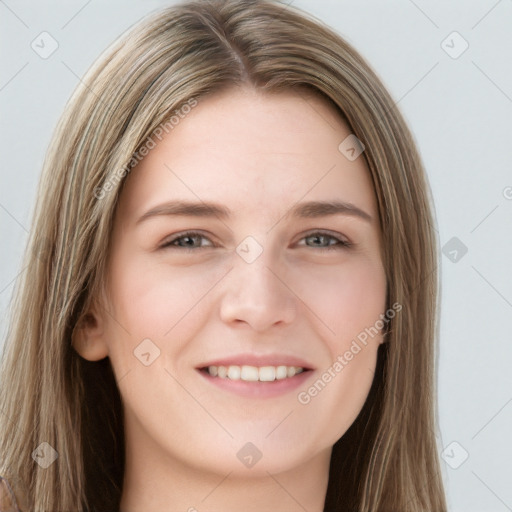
309	209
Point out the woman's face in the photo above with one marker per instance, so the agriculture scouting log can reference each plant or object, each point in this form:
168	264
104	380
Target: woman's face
264	285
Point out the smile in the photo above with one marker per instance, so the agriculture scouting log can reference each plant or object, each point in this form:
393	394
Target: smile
254	373
256	382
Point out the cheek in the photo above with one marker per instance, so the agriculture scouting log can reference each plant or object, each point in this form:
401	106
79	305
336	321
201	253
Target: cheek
346	300
141	295
152	300
349	300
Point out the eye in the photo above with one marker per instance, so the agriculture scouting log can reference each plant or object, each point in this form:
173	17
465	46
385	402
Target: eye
333	242
186	241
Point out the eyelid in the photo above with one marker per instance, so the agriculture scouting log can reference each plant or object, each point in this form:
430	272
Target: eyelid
343	242
188	233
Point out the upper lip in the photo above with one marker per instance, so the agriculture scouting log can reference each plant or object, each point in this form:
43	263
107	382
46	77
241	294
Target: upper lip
258	360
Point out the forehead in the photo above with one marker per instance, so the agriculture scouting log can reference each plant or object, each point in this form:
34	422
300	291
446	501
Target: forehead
253	152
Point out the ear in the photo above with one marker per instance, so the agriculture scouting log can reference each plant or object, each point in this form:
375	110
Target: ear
384	335
88	338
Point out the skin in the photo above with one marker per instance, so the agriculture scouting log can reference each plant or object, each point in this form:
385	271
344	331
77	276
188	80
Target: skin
257	154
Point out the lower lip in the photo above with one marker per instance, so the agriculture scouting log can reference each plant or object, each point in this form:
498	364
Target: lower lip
257	389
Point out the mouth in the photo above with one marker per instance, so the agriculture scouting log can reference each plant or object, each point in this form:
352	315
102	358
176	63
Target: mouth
249	373
256	378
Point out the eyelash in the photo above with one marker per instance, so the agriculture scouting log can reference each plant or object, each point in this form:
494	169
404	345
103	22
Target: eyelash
342	244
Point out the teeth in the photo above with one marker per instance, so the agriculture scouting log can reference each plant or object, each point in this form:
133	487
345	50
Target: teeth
254	373
250	373
234	372
282	372
267	373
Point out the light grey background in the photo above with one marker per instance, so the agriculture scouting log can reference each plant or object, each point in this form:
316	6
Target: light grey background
460	110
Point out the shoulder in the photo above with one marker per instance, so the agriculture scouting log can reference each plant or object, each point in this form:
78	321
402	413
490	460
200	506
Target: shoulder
7	499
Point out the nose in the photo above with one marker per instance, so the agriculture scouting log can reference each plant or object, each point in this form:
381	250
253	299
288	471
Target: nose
257	294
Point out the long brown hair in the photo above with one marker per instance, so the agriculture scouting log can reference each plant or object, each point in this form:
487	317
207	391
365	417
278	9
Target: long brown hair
387	460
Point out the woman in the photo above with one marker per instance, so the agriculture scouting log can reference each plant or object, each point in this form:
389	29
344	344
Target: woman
257	369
